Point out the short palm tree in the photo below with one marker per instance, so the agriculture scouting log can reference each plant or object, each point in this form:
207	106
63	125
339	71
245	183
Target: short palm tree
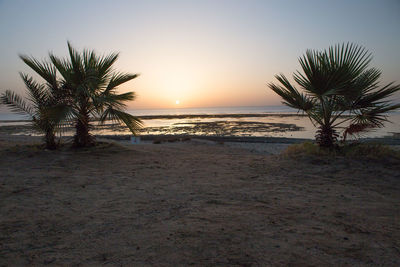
44	102
337	82
92	84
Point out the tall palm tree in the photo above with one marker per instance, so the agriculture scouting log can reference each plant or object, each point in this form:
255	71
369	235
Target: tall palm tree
92	84
334	82
44	102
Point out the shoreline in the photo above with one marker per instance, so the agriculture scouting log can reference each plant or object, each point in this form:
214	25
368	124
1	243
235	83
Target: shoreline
391	141
236	139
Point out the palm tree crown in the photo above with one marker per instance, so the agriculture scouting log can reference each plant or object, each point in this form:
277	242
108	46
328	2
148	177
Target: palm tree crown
92	84
334	82
44	103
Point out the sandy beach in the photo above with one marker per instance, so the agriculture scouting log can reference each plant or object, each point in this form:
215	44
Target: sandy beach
194	203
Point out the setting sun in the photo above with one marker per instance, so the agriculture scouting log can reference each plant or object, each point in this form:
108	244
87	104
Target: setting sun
177	102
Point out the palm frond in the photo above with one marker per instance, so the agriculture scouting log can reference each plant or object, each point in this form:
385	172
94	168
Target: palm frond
134	124
376	97
114	100
76	61
44	69
89	58
63	66
17	104
291	96
375	116
356	129
119	78
38	94
332	71
104	64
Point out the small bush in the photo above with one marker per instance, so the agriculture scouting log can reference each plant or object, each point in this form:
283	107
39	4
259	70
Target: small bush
306	149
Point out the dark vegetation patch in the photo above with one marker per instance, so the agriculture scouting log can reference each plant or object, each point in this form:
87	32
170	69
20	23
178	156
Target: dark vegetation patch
216	128
359	151
223	128
32	149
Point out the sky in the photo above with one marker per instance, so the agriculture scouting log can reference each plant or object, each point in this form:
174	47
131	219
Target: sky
204	53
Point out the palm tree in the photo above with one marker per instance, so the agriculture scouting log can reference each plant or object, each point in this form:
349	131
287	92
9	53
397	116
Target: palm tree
337	82
92	84
44	103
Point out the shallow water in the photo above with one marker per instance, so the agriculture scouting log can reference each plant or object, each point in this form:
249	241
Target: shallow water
267	121
269	126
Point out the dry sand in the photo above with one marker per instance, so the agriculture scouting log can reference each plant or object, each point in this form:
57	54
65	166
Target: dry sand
194	203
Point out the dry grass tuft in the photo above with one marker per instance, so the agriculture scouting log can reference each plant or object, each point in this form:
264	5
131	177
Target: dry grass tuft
369	151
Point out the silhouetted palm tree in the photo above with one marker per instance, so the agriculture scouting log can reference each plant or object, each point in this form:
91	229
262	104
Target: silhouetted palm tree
334	82
44	102
92	84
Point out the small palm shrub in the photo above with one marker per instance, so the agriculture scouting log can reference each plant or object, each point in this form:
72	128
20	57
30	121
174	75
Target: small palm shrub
335	82
91	84
44	103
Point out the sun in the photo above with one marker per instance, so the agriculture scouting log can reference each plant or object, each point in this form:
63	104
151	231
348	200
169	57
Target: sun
177	102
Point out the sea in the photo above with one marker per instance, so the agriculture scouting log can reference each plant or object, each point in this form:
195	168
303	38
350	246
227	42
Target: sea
259	121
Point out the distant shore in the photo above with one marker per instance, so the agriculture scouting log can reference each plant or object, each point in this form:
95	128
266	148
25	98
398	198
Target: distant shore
203	116
238	115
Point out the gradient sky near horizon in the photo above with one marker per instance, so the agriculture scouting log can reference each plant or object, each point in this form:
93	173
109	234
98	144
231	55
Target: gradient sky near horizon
204	53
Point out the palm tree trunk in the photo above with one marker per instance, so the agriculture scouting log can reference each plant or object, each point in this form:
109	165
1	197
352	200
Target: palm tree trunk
326	136
82	136
50	140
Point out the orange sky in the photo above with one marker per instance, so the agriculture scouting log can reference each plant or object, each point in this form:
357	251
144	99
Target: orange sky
203	53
